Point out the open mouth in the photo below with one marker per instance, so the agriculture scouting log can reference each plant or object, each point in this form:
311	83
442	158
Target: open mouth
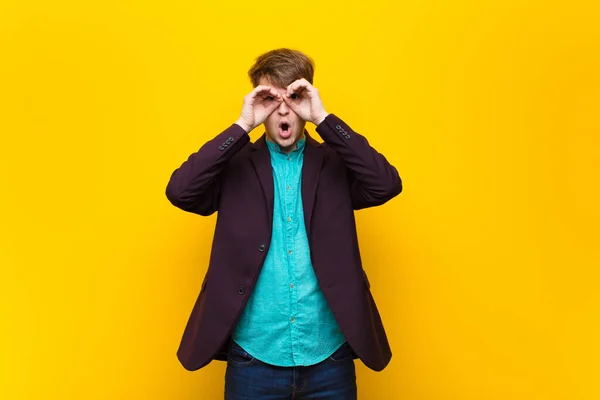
284	130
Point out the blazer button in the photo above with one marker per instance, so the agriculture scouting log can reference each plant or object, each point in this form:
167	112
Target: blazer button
241	290
262	247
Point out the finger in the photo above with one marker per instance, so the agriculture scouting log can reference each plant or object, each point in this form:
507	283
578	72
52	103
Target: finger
269	91
296	89
292	87
262	88
291	104
273	92
250	97
272	107
298	85
263	91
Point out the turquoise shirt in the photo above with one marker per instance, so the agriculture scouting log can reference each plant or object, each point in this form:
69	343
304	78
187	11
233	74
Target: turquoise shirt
287	321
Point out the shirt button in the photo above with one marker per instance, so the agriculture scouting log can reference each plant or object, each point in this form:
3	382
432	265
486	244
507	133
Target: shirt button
289	219
241	290
289	159
262	247
292	319
289	252
292	285
288	188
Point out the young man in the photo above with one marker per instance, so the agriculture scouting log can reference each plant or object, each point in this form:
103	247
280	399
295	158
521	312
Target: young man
285	300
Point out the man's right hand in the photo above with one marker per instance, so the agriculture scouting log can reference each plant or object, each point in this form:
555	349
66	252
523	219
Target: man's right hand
258	105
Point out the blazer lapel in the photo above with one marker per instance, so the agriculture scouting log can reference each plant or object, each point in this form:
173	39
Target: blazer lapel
261	158
311	168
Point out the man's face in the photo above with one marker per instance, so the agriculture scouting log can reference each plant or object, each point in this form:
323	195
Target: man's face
283	126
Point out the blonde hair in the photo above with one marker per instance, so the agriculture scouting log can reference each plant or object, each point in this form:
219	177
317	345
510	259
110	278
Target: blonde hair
282	67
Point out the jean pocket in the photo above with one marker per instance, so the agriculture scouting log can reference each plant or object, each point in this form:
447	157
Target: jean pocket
238	356
343	354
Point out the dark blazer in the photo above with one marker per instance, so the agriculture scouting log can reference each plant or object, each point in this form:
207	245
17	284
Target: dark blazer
233	176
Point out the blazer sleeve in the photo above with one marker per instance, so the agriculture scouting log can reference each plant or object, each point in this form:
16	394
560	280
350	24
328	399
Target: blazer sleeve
373	180
195	185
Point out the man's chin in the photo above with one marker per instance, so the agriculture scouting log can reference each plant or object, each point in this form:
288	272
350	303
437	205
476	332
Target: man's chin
283	142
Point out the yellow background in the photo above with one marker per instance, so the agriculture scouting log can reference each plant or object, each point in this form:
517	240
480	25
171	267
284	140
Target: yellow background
485	268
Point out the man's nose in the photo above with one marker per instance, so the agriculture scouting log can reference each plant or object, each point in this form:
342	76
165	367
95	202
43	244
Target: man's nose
283	108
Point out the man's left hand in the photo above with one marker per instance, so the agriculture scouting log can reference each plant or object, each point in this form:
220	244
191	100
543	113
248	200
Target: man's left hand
303	98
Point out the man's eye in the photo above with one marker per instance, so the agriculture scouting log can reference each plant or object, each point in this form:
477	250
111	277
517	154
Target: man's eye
294	96
270	98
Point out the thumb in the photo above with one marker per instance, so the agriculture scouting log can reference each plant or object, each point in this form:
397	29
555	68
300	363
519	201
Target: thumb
295	107
272	107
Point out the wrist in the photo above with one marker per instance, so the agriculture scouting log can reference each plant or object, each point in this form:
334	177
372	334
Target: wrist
320	118
244	126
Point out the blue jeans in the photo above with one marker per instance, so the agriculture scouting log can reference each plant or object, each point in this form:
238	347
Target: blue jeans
247	378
